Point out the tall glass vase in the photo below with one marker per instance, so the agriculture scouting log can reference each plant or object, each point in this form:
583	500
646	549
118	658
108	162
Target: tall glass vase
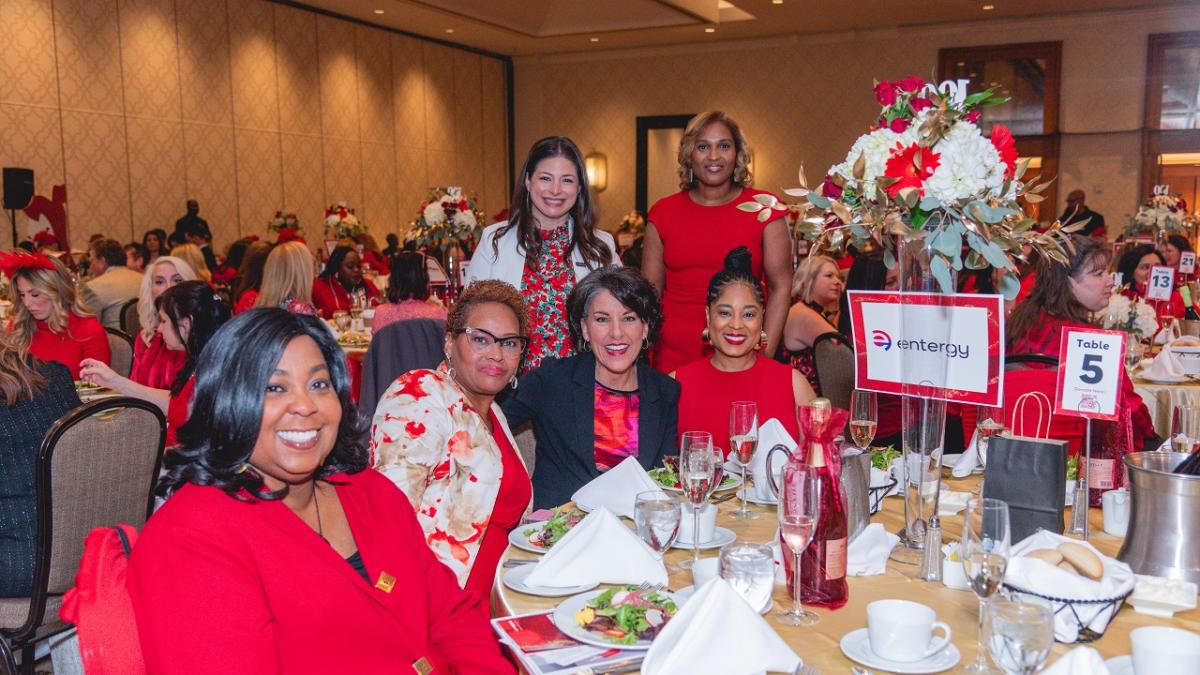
923	419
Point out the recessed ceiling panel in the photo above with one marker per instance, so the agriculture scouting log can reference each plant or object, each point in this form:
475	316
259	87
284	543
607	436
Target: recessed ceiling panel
568	17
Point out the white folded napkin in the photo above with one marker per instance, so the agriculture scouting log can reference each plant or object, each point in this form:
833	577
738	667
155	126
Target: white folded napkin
617	489
969	459
718	633
951	502
1078	661
1166	366
1041	577
868	553
770	434
599	550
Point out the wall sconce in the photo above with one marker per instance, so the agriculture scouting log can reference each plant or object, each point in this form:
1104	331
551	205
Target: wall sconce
596	165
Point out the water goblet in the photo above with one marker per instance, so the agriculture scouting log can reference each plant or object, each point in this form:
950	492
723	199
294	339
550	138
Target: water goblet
1020	635
984	551
657	516
750	570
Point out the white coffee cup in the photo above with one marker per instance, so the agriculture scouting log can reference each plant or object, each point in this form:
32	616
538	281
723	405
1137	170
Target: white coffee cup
1161	650
704	571
901	630
708	524
1115	505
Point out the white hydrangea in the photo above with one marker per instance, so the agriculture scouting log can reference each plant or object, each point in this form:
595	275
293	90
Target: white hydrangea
877	146
464	218
968	164
434	214
1132	316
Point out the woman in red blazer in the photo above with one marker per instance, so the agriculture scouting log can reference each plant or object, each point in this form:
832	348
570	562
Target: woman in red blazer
276	551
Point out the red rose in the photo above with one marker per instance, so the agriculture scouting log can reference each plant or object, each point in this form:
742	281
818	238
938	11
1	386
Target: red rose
973	116
1006	147
919	103
885	93
831	189
898	125
903	167
910	83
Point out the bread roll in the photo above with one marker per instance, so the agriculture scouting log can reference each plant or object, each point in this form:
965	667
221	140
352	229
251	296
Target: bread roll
1048	554
1064	565
1085	562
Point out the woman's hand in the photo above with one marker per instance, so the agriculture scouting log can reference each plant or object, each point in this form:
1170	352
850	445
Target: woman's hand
98	373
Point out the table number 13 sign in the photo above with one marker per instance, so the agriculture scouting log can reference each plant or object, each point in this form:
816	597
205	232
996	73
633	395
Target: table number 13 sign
1162	282
1089	375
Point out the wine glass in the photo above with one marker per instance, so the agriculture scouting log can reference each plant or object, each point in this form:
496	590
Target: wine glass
984	550
696	477
989	422
750	570
743	440
1020	635
799	508
657	516
341	319
864	416
1185	428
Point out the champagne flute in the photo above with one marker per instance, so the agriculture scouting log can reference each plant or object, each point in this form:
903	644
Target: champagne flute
695	476
989	422
799	508
743	440
984	551
718	470
657	516
864	416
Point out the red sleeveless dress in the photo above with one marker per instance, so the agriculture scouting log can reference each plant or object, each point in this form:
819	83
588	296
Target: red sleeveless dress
707	392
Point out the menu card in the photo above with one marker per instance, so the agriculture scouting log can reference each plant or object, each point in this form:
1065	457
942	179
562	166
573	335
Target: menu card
542	649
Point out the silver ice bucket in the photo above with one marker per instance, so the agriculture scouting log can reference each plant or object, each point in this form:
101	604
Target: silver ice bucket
856	481
1164	517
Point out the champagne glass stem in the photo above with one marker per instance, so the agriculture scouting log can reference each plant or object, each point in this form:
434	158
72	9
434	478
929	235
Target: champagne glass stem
798	606
980	657
695	534
744	507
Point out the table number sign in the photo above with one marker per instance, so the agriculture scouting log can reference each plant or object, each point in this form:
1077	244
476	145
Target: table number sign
1187	262
1162	282
1089	375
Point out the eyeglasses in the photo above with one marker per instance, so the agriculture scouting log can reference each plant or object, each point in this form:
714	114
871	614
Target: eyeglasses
482	341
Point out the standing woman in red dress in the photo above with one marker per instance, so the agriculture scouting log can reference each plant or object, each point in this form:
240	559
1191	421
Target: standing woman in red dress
51	322
689	233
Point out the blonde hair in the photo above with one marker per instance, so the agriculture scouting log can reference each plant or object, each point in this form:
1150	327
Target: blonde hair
191	254
19	377
806	276
288	275
147	314
687	145
55	284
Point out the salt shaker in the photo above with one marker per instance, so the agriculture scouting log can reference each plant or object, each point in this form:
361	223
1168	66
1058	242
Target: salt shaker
931	555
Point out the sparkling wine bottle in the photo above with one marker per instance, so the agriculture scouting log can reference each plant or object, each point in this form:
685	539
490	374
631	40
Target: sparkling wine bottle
1106	471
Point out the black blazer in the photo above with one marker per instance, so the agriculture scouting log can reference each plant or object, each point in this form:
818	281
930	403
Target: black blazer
559	397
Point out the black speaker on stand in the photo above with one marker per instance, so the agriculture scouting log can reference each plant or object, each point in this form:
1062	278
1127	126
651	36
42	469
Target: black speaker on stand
18	192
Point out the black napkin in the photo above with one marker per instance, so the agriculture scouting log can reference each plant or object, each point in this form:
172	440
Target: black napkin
1030	475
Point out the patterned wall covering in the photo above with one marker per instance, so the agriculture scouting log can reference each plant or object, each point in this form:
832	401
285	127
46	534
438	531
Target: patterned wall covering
245	105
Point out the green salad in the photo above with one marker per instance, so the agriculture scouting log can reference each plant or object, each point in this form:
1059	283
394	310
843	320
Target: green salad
554	529
881	458
626	615
1072	468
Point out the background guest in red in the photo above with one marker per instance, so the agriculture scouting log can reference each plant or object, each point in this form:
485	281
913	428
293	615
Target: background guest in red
341	285
154	365
189	314
250	276
288	277
408	293
1135	266
1173	248
50	321
277	546
817	288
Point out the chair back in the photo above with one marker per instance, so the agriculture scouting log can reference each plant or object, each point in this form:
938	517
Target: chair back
1023	361
398	348
131	322
97	466
120	344
834	359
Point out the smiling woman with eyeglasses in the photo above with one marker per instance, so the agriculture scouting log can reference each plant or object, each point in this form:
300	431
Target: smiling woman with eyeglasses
440	437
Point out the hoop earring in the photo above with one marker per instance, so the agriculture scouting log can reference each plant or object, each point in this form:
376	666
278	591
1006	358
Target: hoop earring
704	336
450	369
585	346
513	383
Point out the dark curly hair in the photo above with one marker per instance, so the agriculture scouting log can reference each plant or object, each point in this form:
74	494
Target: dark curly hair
409	278
227	409
482	292
736	270
207	312
1129	261
629	287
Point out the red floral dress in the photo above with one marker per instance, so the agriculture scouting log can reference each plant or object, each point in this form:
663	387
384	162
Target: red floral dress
545	284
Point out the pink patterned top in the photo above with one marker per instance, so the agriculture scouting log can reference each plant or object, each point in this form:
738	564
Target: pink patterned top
405	310
615	425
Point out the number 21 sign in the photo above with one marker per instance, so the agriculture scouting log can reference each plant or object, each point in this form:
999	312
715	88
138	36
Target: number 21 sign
1089	376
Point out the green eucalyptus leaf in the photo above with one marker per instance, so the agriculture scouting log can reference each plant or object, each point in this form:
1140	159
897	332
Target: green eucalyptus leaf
948	243
975	260
749	207
941	272
1010	285
819	201
889	259
929	203
995	255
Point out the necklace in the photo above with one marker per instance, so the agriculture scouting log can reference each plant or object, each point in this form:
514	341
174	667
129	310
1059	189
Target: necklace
317	503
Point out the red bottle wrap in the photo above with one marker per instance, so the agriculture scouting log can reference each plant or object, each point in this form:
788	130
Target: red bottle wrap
1111	441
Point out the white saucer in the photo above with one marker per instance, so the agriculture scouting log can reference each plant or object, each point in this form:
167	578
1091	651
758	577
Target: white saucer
1120	665
856	645
515	579
721	536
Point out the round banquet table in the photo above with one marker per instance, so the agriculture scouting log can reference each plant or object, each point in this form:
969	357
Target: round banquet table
1161	399
818	645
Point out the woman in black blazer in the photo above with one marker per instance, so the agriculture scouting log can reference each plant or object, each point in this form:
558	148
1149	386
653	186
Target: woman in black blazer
592	410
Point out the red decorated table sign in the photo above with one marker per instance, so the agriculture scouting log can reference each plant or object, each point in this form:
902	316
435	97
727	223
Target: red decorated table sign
948	347
1089	375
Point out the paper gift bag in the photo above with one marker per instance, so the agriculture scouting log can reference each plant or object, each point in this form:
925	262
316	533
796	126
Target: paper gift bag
1028	474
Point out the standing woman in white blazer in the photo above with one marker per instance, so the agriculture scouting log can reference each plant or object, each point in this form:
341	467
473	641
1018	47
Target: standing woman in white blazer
548	243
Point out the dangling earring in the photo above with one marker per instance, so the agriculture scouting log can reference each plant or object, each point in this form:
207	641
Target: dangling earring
762	340
704	336
449	368
691	177
513	383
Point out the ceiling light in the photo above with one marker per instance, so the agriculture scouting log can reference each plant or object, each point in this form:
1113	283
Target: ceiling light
379	11
776	2
710	30
988	8
595	39
449	30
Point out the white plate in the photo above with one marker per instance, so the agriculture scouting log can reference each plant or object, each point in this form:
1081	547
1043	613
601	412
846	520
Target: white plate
856	645
520	540
515	579
684	594
564	620
1120	665
721	536
729	482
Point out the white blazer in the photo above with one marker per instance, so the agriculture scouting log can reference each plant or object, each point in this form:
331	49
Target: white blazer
508	264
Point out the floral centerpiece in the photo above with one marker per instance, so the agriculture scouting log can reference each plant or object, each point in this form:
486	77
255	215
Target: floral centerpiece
1163	212
1135	316
926	171
634	223
447	216
284	221
341	223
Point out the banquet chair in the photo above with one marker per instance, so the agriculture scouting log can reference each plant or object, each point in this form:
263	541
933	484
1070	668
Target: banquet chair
833	356
395	350
131	323
120	344
97	466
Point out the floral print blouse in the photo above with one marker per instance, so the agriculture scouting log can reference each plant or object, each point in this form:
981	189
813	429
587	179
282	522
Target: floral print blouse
545	284
439	451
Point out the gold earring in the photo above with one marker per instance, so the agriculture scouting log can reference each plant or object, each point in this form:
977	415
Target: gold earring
704	336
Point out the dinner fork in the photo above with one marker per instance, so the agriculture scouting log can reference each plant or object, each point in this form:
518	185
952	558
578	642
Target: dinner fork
647	586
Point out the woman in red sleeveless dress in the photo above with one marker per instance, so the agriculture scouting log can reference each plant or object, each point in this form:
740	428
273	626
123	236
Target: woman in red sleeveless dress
689	233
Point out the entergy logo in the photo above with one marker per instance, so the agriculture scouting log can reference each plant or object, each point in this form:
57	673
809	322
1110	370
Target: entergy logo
881	339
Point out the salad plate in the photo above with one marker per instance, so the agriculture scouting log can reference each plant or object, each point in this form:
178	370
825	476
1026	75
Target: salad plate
668	479
622	617
541	537
515	579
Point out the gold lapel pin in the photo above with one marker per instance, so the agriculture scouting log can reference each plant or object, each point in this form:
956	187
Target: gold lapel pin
422	666
386	582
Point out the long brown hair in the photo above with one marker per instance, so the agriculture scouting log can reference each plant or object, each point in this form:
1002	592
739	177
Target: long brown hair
1052	295
55	284
583	213
18	376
